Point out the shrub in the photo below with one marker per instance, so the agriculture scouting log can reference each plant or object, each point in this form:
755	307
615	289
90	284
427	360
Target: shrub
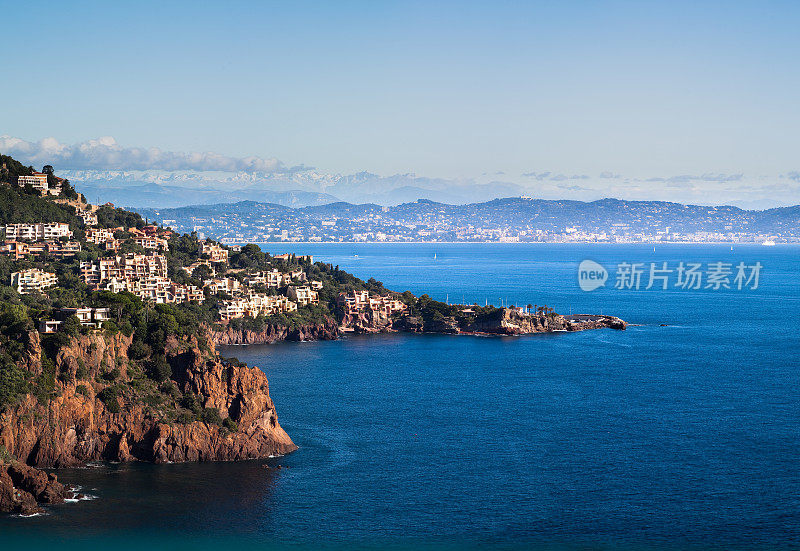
191	403
111	375
127	329
12	381
139	350
110	327
230	424
71	326
82	372
211	416
160	369
110	398
152	400
185	418
169	388
5	456
82	389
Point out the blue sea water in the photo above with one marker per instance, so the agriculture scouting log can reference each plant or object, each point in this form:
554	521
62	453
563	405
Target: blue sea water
682	432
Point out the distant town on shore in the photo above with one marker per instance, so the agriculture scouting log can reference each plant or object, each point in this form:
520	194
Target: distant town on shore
511	220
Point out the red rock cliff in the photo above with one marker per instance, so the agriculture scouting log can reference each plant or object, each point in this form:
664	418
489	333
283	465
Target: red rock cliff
73	425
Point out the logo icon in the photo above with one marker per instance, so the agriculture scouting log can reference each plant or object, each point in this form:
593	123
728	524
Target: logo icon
591	275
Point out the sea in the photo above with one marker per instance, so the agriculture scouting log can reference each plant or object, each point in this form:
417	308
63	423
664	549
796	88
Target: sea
681	432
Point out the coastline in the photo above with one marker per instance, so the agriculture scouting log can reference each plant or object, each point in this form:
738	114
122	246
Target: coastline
510	324
284	243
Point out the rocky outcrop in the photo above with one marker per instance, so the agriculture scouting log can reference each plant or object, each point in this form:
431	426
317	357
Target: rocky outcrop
368	321
73	425
513	322
325	331
508	321
408	324
23	488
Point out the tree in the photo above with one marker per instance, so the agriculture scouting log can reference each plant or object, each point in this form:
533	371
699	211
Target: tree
201	273
72	326
160	369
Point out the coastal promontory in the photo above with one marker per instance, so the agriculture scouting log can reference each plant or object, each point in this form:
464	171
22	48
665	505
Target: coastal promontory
109	327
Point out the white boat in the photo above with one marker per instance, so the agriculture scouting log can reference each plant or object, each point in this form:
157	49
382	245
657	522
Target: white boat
769	243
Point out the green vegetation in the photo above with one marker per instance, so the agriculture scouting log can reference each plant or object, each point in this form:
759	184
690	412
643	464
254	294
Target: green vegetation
110	398
10	169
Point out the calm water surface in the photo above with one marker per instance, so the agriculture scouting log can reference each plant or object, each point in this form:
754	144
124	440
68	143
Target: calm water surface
659	437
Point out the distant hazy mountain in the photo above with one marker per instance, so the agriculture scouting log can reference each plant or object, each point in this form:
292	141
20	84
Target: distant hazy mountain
142	189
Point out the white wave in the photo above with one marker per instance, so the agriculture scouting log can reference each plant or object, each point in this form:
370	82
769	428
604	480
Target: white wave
31	515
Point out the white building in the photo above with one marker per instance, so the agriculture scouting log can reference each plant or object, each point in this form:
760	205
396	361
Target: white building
45	231
38	181
303	295
89	218
31	280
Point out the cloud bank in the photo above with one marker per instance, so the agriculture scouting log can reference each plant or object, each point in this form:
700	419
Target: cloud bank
106	154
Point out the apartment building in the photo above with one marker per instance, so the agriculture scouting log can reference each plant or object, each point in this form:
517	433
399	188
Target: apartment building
44	231
356	302
21	249
31	280
303	295
228	285
187	293
131	266
353	302
272	278
387	304
89	218
254	304
215	252
38	181
162	290
99	236
115	285
152	242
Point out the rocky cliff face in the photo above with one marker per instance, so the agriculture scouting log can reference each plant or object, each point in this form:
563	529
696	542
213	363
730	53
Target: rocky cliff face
74	425
329	330
23	488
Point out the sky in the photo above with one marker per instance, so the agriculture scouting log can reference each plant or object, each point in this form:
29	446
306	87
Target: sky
618	98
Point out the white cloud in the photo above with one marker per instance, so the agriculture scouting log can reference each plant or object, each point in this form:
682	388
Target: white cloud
707	177
540	176
106	154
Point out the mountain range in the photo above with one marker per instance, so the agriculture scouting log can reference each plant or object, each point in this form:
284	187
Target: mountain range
523	217
292	188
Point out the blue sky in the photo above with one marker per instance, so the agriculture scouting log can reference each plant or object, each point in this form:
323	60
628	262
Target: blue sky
443	89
